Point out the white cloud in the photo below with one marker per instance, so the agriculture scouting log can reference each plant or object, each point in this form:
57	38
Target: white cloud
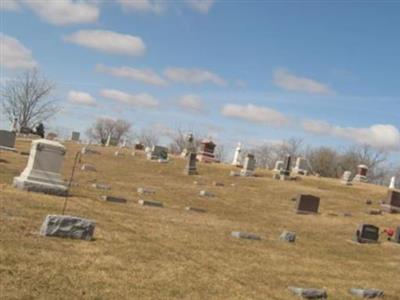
290	82
201	6
14	55
191	102
140	100
193	76
63	12
153	6
147	76
108	42
81	98
257	114
9	5
378	136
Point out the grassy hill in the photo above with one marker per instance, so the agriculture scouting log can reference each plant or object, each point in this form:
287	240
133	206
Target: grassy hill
169	253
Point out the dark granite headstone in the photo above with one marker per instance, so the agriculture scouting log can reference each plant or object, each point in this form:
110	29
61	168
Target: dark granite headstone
7	140
367	233
307	204
285	171
392	203
396	237
191	168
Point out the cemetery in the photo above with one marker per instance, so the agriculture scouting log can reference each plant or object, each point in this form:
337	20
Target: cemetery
135	229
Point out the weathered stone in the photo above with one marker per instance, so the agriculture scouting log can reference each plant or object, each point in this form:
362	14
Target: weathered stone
89	168
7	140
245	235
307	204
367	233
68	227
204	193
288	236
146	191
101	186
367	293
113	199
42	172
195	209
216	183
234	174
309	293
374	212
150	203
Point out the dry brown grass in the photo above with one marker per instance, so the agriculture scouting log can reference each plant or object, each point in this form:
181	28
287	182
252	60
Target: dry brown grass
168	253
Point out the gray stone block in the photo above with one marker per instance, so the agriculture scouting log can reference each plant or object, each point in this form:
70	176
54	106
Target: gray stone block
245	235
206	194
150	203
101	186
40	187
288	236
87	167
309	293
68	227
195	209
113	199
367	293
148	191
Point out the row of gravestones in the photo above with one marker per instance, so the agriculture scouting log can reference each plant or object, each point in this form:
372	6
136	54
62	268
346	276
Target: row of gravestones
42	174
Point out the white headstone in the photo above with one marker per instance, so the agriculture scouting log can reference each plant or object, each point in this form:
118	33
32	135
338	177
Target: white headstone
346	178
42	173
301	166
236	157
392	185
108	140
278	166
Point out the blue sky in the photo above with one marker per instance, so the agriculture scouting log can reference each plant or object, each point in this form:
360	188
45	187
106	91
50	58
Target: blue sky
250	71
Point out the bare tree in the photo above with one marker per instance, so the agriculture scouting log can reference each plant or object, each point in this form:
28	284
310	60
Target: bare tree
179	141
324	161
104	127
27	99
148	137
220	153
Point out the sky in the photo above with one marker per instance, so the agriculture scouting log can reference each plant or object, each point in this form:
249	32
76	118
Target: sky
250	71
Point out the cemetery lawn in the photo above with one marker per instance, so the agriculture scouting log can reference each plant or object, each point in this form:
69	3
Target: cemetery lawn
170	253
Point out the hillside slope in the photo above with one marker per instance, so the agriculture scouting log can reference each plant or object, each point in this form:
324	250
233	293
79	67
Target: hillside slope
167	253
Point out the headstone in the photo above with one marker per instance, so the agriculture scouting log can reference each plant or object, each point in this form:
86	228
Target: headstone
392	203
206	194
75	136
307	204
101	186
138	147
14	126
309	293
346	178
288	236
366	293
236	158
144	191
195	209
42	172
285	171
249	166
191	161
108	140
245	235
25	130
113	199
87	150
392	184
7	140
68	227
206	153
150	203
367	233
88	167
361	176
301	167
278	166
396	237
158	153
